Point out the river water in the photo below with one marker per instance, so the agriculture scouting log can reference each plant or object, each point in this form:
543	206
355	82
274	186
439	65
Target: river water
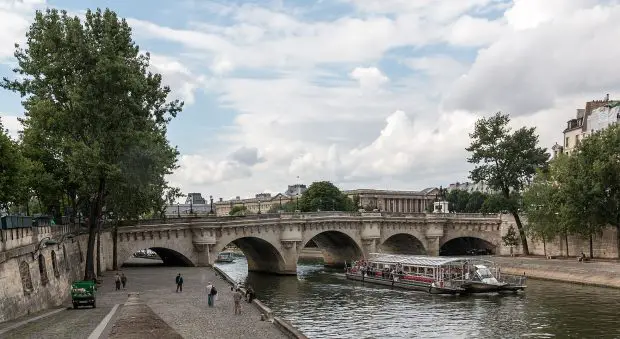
322	303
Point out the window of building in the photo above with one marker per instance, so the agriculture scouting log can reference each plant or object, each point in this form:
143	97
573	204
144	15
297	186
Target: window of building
55	265
24	272
43	270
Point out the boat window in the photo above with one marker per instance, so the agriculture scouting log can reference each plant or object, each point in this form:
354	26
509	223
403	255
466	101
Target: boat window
484	273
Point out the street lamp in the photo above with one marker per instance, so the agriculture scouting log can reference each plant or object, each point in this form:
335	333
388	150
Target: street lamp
258	205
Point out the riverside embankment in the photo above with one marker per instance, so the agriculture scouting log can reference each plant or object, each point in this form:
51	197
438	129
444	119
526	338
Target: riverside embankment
186	313
603	273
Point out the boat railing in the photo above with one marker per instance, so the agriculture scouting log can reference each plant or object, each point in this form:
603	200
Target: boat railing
513	279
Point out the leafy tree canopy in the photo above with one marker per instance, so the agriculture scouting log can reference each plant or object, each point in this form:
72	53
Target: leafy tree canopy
505	160
93	105
324	196
14	169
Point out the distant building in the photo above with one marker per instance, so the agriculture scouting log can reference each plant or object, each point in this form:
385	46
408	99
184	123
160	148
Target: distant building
597	115
261	202
395	201
470	187
195	198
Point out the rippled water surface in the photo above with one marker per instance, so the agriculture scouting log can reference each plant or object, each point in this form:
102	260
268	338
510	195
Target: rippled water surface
322	303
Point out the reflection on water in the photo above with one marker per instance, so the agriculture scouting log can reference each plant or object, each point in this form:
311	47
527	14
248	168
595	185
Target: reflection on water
323	304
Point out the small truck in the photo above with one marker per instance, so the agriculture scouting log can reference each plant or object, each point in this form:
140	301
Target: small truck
83	293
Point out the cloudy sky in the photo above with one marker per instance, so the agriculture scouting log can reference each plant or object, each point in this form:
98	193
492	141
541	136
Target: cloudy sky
364	93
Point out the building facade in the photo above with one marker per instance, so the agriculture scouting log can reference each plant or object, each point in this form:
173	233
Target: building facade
395	201
470	187
262	202
597	114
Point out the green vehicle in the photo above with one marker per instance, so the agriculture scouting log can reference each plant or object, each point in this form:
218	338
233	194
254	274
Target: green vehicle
83	293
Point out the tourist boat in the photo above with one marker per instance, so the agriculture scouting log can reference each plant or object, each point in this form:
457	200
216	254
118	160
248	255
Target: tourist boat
225	257
435	275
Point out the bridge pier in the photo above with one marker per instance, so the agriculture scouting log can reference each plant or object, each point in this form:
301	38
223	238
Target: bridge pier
204	258
432	246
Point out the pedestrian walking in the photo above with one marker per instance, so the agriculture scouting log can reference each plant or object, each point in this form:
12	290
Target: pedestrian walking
123	280
237	296
179	281
211	294
117	281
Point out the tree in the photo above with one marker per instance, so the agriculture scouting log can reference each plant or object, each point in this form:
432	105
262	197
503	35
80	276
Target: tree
458	200
542	205
238	211
606	170
584	192
324	196
475	202
13	172
505	160
510	239
288	207
89	96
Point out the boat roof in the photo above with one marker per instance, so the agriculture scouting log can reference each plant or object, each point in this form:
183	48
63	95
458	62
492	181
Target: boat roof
419	260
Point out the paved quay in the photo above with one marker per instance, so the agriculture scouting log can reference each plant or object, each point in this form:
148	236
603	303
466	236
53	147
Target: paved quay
604	273
186	313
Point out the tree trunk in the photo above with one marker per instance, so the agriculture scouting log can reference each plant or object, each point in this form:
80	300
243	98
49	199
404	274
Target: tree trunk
526	250
95	212
114	248
98	248
591	249
618	234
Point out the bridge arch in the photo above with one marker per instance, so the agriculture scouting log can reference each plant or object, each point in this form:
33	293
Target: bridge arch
399	239
403	243
468	242
174	249
261	253
338	245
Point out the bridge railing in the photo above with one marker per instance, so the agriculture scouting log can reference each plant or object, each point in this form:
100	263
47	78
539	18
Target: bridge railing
305	215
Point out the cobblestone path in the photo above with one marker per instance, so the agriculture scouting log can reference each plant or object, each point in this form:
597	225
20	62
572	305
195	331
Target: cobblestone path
185	312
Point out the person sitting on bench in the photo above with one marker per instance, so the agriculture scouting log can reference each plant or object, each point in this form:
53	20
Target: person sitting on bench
582	257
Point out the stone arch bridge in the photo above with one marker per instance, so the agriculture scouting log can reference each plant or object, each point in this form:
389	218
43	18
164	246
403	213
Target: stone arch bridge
273	242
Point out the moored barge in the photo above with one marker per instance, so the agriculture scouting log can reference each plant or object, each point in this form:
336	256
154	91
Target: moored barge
435	275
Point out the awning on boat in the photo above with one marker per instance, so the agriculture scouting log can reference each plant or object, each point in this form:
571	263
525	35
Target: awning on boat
415	260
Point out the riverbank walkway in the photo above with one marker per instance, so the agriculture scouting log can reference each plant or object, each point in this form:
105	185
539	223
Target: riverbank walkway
186	313
599	272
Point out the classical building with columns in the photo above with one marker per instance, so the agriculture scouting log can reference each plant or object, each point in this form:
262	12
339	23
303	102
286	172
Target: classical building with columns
395	201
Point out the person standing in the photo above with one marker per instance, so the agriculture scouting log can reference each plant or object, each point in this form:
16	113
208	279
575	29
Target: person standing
123	280
117	281
179	281
209	290
237	296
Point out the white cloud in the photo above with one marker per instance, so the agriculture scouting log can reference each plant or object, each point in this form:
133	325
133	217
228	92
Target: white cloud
15	18
369	77
335	104
179	77
10	123
529	70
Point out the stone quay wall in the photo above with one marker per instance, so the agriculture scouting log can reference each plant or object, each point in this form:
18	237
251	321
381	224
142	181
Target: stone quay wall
35	276
604	245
